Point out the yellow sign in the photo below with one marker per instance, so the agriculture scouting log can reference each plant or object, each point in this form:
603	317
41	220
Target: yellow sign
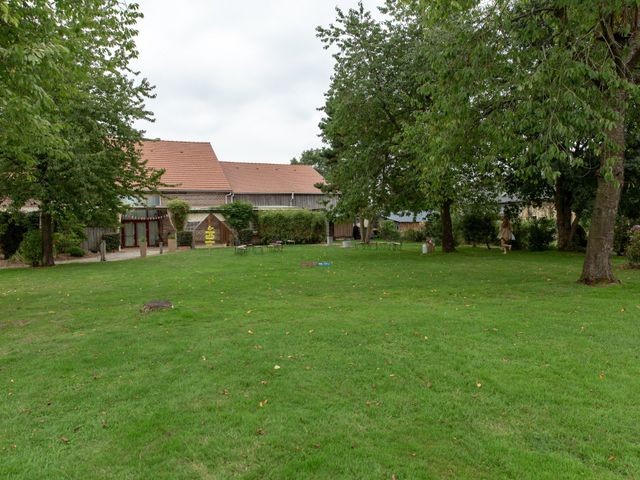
210	236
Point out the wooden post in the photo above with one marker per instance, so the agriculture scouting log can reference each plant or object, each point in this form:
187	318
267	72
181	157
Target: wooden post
161	245
103	251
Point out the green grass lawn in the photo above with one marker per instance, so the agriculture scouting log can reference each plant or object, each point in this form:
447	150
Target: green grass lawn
470	365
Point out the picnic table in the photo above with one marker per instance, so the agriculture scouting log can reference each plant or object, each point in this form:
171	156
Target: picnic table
240	249
377	245
275	246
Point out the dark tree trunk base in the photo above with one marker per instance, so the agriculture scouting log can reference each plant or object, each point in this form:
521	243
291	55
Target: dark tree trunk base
46	230
448	243
563	200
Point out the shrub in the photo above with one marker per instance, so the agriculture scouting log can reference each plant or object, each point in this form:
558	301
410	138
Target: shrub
388	230
245	236
479	227
30	250
301	226
112	241
633	249
13	227
541	234
621	234
238	215
414	235
178	211
65	241
76	251
185	239
520	231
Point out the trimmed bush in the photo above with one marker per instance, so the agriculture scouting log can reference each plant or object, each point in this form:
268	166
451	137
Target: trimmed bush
388	230
541	234
30	250
238	215
301	226
185	239
414	236
178	211
112	241
76	252
479	227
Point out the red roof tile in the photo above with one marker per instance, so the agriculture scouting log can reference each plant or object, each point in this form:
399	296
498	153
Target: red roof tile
188	165
271	178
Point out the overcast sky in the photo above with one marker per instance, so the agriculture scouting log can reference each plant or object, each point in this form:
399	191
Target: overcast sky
247	76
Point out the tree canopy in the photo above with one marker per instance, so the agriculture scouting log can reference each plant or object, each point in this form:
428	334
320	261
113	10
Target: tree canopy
69	100
527	96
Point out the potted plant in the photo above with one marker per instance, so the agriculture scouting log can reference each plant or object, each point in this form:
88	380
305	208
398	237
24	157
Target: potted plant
172	242
143	248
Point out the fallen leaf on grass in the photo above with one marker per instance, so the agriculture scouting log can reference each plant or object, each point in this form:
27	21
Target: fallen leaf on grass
259	431
602	375
64	440
263	382
478	384
263	403
250	332
276	367
612	458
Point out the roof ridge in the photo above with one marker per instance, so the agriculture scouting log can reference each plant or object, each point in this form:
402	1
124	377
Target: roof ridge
268	163
174	141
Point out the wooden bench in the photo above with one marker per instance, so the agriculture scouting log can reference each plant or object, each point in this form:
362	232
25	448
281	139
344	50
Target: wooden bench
275	247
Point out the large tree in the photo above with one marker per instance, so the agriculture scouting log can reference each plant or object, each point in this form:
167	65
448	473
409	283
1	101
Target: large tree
560	73
372	95
69	100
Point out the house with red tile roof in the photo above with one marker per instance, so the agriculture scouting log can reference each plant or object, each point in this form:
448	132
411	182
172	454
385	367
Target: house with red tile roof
193	173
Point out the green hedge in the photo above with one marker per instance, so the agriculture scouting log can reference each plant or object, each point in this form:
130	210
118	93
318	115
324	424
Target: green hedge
301	226
30	251
185	239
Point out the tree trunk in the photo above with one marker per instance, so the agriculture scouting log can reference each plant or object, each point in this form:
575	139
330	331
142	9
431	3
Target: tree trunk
46	230
364	235
563	200
448	244
574	228
597	268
